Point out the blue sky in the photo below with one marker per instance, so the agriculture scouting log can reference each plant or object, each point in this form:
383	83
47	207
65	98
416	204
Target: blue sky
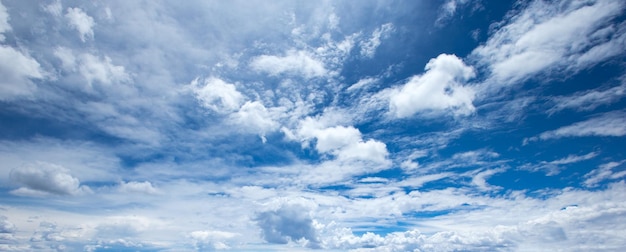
452	125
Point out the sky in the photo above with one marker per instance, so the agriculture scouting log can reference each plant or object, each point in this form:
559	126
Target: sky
440	125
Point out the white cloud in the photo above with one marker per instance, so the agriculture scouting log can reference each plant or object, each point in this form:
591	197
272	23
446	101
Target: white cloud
604	172
93	68
362	83
214	238
554	167
588	100
368	47
80	21
480	179
333	138
608	124
448	9
290	223
441	87
137	187
45	178
371	150
574	158
68	60
17	70
55	8
548	36
217	95
344	142
102	70
294	62
255	117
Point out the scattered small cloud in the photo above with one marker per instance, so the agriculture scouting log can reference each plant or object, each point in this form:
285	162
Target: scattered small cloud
80	21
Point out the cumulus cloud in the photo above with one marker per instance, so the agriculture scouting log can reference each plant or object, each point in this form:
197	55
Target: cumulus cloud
294	62
91	67
39	179
137	187
217	95
254	117
289	223
80	21
551	35
211	239
441	87
368	47
607	124
344	142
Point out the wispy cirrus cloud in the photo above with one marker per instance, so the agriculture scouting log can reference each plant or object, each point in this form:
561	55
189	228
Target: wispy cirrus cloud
544	37
612	124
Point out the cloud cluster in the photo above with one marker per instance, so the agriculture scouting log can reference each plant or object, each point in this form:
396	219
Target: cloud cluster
146	126
40	179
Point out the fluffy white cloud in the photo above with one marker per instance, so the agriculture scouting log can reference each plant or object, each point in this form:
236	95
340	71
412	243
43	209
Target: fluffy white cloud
344	142
253	116
214	239
217	95
80	21
101	69
93	68
441	87
334	138
137	187
368	47
45	178
294	62
608	124
17	70
551	35
371	150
